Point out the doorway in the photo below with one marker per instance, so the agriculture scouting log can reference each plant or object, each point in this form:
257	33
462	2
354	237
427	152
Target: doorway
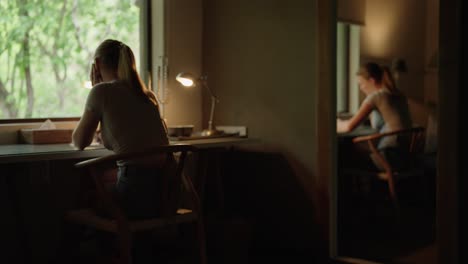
376	236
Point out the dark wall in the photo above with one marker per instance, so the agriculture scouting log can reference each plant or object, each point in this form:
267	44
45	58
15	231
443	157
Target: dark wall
260	59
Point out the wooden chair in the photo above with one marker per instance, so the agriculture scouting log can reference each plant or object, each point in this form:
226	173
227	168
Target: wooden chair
170	215
411	143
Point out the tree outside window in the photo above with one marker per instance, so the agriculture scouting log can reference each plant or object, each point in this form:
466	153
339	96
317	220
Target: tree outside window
46	47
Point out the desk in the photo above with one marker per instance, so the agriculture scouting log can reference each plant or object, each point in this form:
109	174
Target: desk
346	146
358	131
27	153
37	182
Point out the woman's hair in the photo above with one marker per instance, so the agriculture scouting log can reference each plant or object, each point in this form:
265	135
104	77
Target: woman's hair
117	56
381	75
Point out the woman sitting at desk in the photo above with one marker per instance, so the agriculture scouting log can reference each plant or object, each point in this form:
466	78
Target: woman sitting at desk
386	105
129	119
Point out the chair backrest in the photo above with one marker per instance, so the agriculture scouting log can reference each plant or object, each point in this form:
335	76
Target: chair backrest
171	160
410	141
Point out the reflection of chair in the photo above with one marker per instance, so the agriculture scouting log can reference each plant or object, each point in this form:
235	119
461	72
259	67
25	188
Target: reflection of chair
411	146
169	199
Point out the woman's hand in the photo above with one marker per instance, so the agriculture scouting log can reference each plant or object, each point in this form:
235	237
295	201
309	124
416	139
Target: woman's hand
95	75
84	132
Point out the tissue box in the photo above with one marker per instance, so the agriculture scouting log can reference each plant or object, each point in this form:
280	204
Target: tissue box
45	136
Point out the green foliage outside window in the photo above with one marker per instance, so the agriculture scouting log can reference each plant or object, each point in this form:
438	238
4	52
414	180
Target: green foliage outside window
46	47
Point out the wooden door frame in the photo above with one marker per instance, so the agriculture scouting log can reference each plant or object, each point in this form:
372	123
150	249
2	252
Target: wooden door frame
449	138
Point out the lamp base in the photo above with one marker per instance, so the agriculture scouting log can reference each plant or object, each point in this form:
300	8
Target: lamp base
211	132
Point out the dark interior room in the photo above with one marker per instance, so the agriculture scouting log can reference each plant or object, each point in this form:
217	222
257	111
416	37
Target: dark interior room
266	176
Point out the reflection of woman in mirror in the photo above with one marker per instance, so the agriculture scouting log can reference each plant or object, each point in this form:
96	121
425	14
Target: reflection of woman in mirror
385	105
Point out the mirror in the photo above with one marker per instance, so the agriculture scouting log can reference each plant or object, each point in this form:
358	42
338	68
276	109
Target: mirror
369	224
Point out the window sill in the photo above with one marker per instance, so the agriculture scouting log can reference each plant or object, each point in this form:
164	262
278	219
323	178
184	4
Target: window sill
9	130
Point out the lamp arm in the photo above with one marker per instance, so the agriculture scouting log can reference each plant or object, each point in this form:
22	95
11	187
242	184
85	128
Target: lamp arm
211	93
213	104
214	100
204	82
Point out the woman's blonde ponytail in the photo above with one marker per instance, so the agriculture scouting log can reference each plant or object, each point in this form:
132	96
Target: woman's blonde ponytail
126	70
125	65
119	57
388	81
381	75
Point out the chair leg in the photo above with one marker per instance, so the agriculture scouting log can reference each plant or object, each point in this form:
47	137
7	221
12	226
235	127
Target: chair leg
394	197
125	245
201	241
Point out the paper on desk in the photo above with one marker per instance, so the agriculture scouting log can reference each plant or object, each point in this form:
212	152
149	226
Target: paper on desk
48	124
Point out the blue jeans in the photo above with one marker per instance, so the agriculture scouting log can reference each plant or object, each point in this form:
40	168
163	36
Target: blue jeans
137	191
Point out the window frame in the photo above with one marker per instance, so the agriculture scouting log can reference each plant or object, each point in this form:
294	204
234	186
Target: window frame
145	64
347	61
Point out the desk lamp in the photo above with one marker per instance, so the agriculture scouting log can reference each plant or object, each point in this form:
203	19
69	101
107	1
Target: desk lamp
188	80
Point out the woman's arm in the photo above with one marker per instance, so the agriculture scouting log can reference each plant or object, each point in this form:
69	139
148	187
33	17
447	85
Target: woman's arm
84	132
343	126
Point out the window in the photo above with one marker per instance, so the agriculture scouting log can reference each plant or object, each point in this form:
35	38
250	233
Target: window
46	48
347	64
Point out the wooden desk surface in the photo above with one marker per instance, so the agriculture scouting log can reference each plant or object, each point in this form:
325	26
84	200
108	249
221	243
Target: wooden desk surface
358	131
28	152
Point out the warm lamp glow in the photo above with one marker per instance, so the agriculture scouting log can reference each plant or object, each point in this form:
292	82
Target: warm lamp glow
186	82
186	79
378	36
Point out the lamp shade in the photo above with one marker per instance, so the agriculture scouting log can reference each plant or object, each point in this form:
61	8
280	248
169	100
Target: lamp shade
186	79
352	11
